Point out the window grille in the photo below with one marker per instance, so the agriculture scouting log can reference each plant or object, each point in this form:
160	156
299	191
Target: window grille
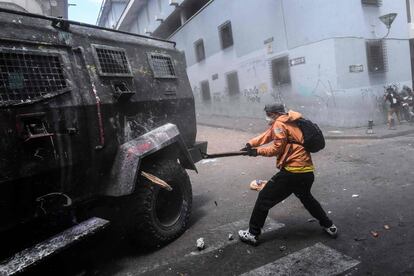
162	66
205	91
199	50
372	2
281	71
233	83
29	76
112	61
376	56
226	35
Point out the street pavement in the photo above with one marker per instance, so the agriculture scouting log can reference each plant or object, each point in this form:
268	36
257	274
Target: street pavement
366	186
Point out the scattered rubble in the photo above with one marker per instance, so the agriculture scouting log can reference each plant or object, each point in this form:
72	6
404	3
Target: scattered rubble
283	248
375	234
231	237
206	161
387	227
200	244
355	195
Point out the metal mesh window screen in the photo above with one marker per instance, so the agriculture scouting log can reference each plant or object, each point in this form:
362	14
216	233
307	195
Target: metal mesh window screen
162	66
28	76
112	62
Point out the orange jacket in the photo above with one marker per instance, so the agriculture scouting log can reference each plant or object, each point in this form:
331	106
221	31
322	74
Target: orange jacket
293	157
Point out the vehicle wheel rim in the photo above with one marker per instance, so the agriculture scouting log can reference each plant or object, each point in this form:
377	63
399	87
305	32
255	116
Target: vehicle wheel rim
168	205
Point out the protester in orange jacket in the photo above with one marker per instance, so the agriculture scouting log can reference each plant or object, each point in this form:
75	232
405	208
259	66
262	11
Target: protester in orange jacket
295	175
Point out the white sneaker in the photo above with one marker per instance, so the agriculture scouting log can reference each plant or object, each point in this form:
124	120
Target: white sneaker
247	237
332	231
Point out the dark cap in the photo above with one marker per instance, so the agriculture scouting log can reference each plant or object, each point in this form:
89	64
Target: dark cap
274	108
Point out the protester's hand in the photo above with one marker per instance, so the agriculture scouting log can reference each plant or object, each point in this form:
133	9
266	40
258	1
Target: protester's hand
252	152
247	147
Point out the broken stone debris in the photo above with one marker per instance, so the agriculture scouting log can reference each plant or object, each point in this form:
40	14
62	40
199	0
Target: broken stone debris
355	195
374	234
283	248
257	185
387	227
311	220
231	237
200	244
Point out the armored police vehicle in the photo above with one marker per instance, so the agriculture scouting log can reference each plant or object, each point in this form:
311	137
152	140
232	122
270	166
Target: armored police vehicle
88	114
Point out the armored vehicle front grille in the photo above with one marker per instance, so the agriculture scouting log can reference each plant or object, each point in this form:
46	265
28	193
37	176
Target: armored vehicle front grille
112	61
29	76
162	66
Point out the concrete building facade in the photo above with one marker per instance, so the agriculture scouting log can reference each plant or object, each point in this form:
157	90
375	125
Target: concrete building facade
329	59
56	8
110	12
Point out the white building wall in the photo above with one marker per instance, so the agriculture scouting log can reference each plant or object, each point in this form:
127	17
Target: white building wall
45	7
330	34
145	19
114	14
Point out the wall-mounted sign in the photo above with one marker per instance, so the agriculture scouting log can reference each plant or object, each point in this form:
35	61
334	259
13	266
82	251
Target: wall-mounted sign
356	68
297	61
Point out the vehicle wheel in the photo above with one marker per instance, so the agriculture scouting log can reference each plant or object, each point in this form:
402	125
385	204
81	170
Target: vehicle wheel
160	216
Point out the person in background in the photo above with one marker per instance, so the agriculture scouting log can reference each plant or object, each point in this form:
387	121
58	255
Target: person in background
295	176
394	100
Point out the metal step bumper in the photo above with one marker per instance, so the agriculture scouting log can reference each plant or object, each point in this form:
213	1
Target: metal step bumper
31	256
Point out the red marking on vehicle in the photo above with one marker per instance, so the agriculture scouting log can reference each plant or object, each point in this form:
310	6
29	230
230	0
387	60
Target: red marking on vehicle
140	148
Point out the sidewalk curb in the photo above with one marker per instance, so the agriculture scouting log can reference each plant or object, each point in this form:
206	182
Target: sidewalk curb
329	137
370	137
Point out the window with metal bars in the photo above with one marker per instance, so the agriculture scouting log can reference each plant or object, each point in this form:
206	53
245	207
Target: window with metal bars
233	83
205	91
376	56
112	61
280	71
199	50
226	35
29	76
161	65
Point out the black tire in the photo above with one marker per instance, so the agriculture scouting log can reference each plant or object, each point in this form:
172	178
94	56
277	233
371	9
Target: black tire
160	216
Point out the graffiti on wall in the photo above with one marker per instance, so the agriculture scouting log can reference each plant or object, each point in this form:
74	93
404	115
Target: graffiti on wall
218	97
252	95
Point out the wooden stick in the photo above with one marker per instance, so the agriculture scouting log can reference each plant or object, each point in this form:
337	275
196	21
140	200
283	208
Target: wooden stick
157	181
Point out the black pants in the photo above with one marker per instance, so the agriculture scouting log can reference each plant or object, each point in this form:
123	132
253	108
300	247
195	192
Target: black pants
279	187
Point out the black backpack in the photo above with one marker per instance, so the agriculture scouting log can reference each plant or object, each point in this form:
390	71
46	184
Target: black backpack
313	140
